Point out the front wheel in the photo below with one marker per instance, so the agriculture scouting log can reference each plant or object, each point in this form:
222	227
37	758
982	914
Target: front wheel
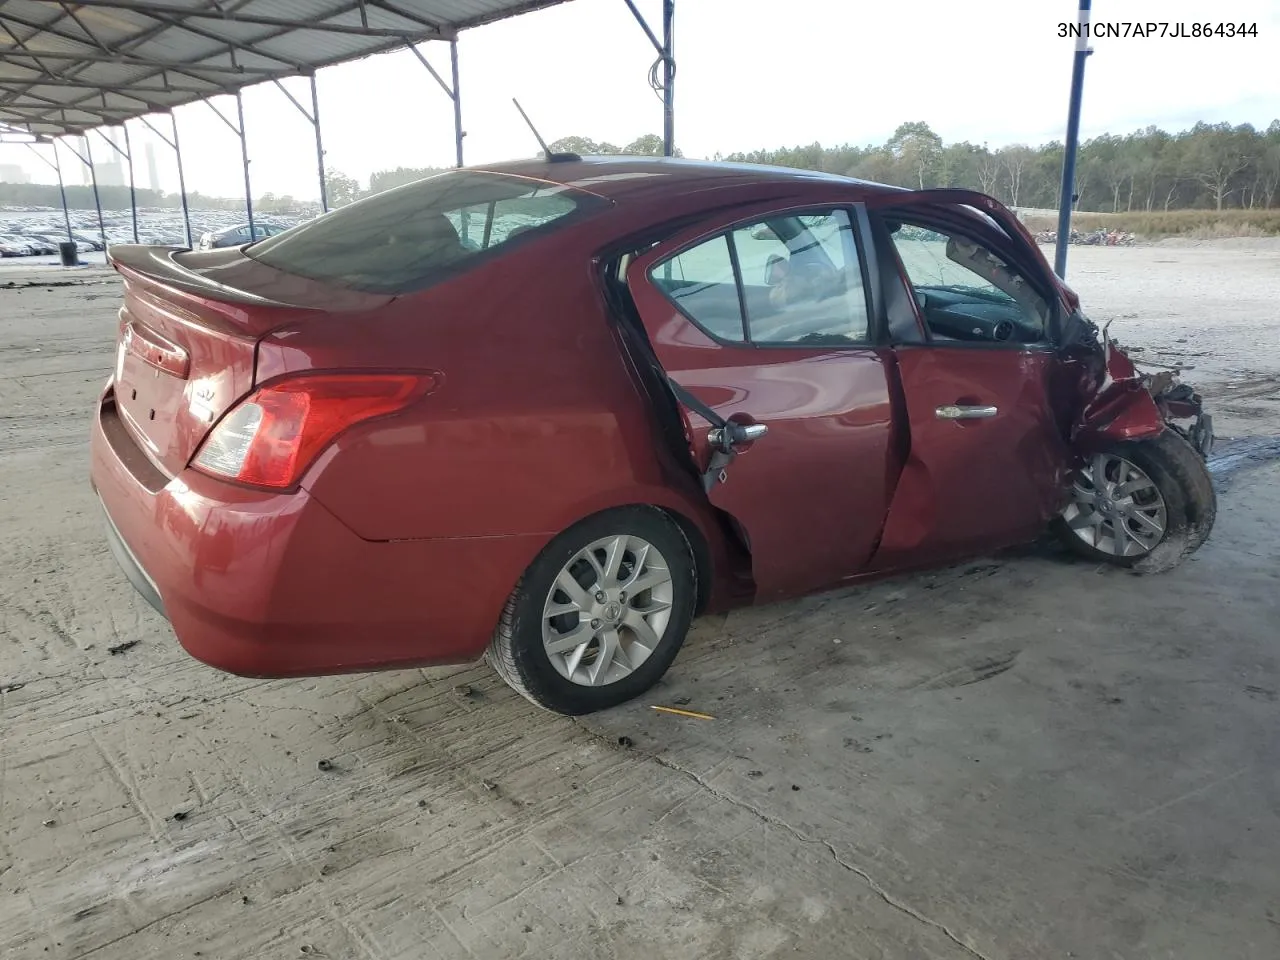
600	614
1143	504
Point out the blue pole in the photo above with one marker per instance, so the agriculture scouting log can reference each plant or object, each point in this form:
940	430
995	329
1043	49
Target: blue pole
1067	197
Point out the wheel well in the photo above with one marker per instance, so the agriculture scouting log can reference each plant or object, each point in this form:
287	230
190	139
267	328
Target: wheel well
733	552
701	557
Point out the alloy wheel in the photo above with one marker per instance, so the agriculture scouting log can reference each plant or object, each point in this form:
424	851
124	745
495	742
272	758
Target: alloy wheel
1116	508
607	610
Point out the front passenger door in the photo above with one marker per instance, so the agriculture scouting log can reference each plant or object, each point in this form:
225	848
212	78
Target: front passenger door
987	459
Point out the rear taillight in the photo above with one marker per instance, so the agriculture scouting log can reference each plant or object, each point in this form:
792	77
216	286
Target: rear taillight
271	437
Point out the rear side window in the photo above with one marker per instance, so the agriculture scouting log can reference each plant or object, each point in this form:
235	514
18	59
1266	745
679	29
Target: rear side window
413	236
788	279
702	283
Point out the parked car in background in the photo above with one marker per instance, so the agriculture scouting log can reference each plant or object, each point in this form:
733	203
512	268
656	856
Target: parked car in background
82	246
238	236
549	411
94	241
40	244
14	246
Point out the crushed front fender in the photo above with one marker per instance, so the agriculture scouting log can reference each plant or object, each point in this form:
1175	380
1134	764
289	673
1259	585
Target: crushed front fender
1125	404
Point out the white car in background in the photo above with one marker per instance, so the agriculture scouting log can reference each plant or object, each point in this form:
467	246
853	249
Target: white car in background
15	247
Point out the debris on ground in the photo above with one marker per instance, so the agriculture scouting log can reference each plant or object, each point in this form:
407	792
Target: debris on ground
29	284
684	713
10	687
488	785
626	742
122	647
464	690
181	815
325	765
51	823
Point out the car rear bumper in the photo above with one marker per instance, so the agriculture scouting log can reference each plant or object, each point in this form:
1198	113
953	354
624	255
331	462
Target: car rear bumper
140	579
274	585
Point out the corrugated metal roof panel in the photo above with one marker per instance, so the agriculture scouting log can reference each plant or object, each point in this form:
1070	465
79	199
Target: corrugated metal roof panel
75	52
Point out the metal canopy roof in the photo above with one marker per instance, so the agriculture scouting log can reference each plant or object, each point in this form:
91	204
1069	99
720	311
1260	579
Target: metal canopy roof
68	67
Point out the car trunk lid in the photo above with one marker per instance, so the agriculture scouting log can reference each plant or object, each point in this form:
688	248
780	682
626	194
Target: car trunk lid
189	331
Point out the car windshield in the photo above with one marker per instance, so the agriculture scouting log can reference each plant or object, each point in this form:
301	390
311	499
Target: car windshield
412	236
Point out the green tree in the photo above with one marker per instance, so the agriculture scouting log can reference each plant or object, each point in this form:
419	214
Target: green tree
583	147
1216	154
340	188
649	145
386	179
1269	164
1015	161
918	149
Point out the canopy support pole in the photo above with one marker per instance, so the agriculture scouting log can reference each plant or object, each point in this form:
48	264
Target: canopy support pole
666	58
93	176
56	164
1068	195
449	91
127	153
244	156
182	180
313	118
668	78
238	130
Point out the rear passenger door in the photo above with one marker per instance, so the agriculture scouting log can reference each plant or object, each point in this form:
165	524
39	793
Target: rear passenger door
766	321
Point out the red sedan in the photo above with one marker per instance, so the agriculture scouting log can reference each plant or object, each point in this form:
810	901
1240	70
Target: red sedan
550	411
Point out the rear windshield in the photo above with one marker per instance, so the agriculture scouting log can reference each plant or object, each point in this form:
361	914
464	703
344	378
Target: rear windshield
410	237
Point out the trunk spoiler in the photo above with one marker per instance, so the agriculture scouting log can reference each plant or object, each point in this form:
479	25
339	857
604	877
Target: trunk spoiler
232	277
157	264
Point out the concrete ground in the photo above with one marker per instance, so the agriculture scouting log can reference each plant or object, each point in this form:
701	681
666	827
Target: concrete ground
1021	757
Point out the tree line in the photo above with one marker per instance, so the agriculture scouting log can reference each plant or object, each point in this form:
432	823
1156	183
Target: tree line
1210	166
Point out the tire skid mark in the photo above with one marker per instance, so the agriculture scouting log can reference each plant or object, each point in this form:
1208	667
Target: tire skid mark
123	777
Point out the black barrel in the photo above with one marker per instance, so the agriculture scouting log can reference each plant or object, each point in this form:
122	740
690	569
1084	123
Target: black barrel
67	250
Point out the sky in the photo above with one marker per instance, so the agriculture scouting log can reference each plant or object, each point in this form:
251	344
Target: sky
751	74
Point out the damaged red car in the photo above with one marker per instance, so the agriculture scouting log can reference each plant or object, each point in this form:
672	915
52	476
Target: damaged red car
549	411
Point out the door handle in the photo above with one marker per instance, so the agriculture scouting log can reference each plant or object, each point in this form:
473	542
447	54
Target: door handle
954	412
732	434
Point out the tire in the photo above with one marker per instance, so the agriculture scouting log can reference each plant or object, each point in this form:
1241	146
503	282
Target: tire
561	679
1185	487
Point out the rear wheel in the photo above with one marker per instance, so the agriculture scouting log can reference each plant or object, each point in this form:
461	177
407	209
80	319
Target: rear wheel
1144	504
600	614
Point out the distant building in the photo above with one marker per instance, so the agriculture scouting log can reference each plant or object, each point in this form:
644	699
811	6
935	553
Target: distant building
153	177
12	173
110	172
80	146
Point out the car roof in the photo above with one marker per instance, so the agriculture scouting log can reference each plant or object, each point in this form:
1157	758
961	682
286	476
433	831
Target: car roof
623	178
